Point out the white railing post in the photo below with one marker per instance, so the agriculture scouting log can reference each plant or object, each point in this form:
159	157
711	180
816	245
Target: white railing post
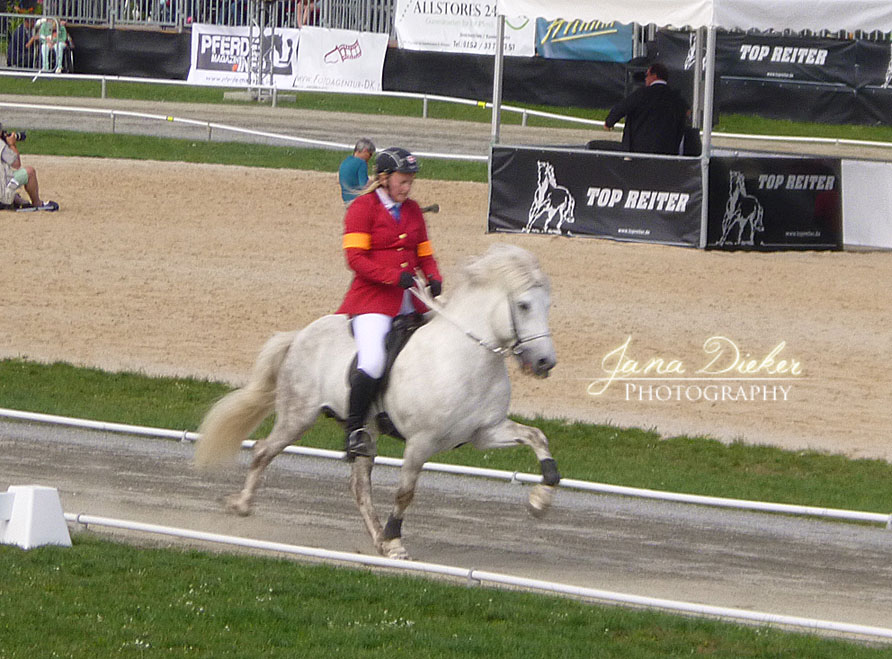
497	79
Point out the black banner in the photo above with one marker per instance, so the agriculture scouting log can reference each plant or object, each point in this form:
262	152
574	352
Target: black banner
137	53
578	193
786	58
788	77
537	80
772	204
875	65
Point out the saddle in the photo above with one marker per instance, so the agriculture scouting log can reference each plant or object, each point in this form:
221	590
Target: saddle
400	332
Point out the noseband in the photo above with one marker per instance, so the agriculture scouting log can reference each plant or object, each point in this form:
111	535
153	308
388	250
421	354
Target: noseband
518	342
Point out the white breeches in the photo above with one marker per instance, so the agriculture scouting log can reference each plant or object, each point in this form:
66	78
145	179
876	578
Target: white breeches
369	331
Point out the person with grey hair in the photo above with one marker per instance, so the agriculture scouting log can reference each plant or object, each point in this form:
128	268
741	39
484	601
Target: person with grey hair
353	174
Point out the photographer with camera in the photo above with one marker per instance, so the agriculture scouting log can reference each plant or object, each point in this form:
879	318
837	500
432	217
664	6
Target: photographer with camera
16	176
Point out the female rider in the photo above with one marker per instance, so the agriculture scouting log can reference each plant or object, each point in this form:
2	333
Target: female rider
385	240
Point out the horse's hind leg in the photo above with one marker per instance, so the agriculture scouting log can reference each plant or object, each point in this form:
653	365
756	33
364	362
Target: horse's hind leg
509	433
361	486
288	428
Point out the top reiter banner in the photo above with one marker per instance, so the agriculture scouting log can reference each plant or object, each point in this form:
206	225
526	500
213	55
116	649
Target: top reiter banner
463	26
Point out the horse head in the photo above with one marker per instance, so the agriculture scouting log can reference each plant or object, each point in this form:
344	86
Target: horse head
519	318
541	172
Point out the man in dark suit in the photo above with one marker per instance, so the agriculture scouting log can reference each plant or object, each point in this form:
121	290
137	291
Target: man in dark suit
655	115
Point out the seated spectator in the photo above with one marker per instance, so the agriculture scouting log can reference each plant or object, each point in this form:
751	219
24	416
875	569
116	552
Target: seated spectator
18	54
14	176
53	37
353	174
655	115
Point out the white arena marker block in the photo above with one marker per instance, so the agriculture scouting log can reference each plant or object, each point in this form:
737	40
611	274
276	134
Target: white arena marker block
33	517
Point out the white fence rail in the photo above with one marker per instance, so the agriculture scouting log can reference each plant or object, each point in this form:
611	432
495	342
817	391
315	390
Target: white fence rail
498	474
210	126
474	576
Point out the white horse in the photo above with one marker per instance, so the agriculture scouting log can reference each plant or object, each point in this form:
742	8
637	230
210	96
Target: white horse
448	386
551	199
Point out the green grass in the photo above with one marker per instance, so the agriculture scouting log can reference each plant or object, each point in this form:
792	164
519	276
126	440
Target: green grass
384	105
608	454
106	145
98	599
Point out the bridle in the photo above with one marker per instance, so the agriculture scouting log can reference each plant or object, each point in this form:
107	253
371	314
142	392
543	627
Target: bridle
515	348
422	292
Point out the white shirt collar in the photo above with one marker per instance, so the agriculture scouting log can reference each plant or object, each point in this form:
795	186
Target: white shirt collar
389	203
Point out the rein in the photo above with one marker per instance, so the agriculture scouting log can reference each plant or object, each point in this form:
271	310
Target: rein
421	291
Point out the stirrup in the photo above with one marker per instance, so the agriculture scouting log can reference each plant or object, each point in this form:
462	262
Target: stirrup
359	444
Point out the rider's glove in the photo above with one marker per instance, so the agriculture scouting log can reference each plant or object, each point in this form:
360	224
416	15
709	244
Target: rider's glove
436	286
406	280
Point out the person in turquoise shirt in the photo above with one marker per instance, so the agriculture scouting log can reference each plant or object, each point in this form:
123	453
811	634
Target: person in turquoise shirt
353	174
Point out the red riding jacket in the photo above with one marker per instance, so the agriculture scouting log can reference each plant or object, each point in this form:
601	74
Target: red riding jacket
378	250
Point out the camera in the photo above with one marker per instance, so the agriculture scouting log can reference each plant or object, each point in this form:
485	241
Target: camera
20	136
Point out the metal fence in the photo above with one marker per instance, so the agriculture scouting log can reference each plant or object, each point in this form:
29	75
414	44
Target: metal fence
364	15
17	28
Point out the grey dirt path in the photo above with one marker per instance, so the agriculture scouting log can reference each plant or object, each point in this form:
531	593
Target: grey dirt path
341	128
773	564
416	133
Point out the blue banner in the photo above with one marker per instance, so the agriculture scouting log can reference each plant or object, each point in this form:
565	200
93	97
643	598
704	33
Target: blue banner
584	40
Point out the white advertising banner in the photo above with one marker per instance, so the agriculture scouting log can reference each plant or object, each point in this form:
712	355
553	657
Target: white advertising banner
340	60
222	55
463	26
867	204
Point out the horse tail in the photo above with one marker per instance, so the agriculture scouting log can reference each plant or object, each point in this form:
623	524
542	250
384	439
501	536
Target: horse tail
238	413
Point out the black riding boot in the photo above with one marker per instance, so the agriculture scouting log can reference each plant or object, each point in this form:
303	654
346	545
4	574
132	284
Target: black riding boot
362	392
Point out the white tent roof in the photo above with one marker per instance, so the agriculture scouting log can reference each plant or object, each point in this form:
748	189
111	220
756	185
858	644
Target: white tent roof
745	14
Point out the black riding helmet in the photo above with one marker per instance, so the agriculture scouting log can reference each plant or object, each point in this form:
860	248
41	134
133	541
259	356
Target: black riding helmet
396	159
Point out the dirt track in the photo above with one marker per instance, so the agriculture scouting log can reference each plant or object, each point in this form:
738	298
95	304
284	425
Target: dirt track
186	270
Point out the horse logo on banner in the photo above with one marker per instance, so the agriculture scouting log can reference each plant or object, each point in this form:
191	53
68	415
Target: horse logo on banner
279	51
549	200
743	211
691	57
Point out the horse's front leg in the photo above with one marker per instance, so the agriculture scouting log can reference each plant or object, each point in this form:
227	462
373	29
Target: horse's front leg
510	433
549	216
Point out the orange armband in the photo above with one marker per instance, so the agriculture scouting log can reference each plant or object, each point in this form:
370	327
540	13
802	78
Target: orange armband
425	249
357	241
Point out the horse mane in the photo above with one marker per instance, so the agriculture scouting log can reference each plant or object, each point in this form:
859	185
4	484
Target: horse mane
514	267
